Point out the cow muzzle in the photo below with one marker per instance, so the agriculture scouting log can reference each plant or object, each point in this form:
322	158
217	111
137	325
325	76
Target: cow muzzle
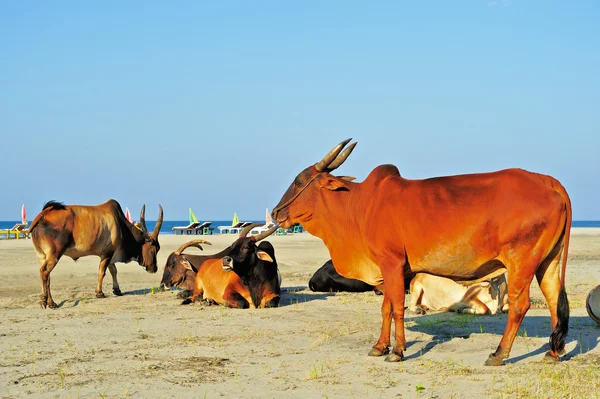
227	264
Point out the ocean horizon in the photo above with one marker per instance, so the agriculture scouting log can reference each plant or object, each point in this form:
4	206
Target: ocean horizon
167	227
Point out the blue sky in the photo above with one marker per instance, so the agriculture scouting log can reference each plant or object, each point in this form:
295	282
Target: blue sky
218	105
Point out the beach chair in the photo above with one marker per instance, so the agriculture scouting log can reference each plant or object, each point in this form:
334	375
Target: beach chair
297	229
229	229
281	231
205	228
262	228
17	230
192	228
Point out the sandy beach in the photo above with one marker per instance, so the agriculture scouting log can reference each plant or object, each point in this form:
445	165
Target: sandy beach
315	345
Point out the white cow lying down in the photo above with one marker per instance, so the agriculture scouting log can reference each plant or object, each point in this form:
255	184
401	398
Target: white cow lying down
429	292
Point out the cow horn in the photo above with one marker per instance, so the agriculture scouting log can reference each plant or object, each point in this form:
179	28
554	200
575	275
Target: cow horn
143	219
265	234
341	158
330	157
159	222
193	243
247	229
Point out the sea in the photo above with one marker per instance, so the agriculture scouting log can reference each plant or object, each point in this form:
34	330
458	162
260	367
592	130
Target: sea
167	226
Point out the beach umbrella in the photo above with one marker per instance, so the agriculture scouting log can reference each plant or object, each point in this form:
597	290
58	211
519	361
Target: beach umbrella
128	215
236	220
23	215
268	218
192	217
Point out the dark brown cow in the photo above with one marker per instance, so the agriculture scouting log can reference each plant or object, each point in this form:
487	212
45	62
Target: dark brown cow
101	230
180	269
246	277
468	227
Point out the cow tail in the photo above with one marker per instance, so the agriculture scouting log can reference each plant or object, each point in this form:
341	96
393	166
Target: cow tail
48	206
557	339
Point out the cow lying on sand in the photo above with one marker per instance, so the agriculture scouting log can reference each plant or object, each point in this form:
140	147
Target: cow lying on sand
429	292
247	277
101	230
180	269
327	279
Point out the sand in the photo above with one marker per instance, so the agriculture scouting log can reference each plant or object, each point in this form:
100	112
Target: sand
146	345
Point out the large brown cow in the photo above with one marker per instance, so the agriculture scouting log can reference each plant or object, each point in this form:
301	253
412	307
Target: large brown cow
101	230
465	227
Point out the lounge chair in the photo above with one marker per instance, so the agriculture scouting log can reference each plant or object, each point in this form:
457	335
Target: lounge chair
206	229
192	228
17	230
263	228
233	229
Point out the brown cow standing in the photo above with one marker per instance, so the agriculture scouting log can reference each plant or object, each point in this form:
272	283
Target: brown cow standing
101	230
465	227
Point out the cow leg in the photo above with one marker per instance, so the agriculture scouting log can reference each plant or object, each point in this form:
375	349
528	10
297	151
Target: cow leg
113	273
519	283
548	277
416	296
234	300
101	273
47	265
394	284
475	306
382	347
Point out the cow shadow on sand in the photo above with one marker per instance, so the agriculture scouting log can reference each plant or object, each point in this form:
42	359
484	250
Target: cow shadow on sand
300	294
289	295
443	327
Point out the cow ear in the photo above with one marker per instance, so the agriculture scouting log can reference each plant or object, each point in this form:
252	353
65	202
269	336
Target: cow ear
187	265
331	183
347	178
262	255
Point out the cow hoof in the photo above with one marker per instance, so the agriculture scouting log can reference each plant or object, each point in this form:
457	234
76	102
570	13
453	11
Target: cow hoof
394	357
494	361
117	292
43	304
550	359
52	305
378	352
184	294
100	295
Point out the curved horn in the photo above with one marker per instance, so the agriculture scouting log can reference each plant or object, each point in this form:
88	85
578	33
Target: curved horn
341	158
159	222
331	155
246	230
193	243
143	219
265	234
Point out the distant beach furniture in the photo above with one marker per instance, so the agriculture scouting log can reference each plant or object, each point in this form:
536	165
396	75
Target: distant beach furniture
128	216
194	227
16	231
236	226
268	224
19	229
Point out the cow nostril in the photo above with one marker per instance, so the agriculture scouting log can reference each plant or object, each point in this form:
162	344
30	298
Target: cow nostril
227	259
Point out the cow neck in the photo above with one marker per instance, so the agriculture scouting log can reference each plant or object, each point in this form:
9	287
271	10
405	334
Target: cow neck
334	218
